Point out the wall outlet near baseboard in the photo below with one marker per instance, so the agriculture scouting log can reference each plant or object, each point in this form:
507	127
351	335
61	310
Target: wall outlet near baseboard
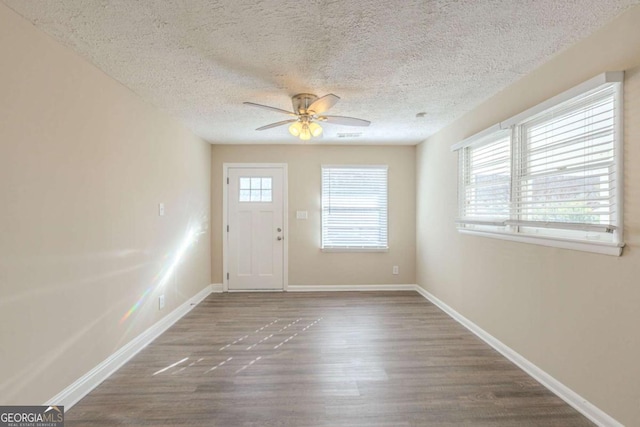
396	269
160	302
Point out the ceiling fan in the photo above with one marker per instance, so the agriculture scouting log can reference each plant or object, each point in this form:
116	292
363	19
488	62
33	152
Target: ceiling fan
308	110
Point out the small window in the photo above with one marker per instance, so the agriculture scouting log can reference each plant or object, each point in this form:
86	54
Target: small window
485	188
354	208
255	189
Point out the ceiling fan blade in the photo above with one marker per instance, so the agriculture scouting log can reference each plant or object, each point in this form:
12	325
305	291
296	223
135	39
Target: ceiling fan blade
321	105
345	121
280	110
276	124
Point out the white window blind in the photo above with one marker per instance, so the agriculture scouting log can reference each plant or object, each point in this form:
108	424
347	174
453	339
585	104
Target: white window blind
354	207
552	172
484	193
566	174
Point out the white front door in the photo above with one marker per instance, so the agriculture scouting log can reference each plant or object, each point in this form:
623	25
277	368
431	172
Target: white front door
255	201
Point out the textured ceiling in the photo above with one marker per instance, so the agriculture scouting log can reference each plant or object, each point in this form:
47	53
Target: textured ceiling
388	60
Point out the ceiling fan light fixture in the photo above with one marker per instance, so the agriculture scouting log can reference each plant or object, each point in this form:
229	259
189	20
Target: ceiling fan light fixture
305	134
315	129
295	129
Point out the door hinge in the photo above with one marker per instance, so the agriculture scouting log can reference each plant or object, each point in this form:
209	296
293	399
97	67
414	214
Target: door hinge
227	228
227	180
227	276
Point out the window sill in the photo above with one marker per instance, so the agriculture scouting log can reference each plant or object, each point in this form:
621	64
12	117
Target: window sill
354	249
613	249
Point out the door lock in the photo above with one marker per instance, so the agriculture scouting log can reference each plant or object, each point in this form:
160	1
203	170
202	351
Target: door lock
279	229
279	237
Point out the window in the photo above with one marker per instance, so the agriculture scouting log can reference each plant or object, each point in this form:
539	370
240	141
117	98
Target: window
551	174
486	183
255	189
354	208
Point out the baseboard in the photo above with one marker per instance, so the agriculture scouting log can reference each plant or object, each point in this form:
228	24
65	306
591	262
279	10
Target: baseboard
349	288
217	288
83	385
583	406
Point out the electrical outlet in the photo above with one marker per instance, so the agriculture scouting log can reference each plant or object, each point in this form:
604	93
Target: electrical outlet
160	302
396	270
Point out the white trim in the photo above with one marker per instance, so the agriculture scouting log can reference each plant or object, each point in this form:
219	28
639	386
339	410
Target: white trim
86	383
225	221
351	288
285	218
602	228
217	288
355	166
480	222
583	406
285	227
353	249
619	169
614	249
582	88
476	137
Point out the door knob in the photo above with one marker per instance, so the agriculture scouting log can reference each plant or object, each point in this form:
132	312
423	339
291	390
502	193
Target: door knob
279	237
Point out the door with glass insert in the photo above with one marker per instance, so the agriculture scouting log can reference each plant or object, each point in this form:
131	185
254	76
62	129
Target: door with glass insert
255	228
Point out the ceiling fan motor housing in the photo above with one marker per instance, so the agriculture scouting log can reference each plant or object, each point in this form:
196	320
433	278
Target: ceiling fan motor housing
302	101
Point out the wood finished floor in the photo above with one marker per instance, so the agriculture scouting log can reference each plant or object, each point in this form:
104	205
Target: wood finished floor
320	359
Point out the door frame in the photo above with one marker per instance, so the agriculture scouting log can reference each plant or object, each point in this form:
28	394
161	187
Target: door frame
285	223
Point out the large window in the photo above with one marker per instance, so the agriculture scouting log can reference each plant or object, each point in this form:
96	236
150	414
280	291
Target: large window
354	208
549	175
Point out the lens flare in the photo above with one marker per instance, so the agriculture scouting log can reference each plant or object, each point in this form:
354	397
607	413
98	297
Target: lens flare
165	273
135	306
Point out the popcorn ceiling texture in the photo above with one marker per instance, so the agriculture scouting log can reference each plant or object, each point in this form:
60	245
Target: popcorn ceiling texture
200	59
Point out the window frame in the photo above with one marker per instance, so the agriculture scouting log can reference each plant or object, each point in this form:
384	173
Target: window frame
553	234
353	248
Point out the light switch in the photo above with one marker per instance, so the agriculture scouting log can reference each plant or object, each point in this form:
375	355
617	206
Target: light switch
302	215
161	209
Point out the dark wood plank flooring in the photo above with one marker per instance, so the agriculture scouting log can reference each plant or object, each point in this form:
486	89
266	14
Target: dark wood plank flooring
320	359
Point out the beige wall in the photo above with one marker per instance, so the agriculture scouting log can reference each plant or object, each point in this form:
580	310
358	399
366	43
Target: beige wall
573	314
308	265
83	165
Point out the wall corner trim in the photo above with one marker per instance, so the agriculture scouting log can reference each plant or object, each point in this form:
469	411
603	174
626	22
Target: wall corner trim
579	403
86	383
